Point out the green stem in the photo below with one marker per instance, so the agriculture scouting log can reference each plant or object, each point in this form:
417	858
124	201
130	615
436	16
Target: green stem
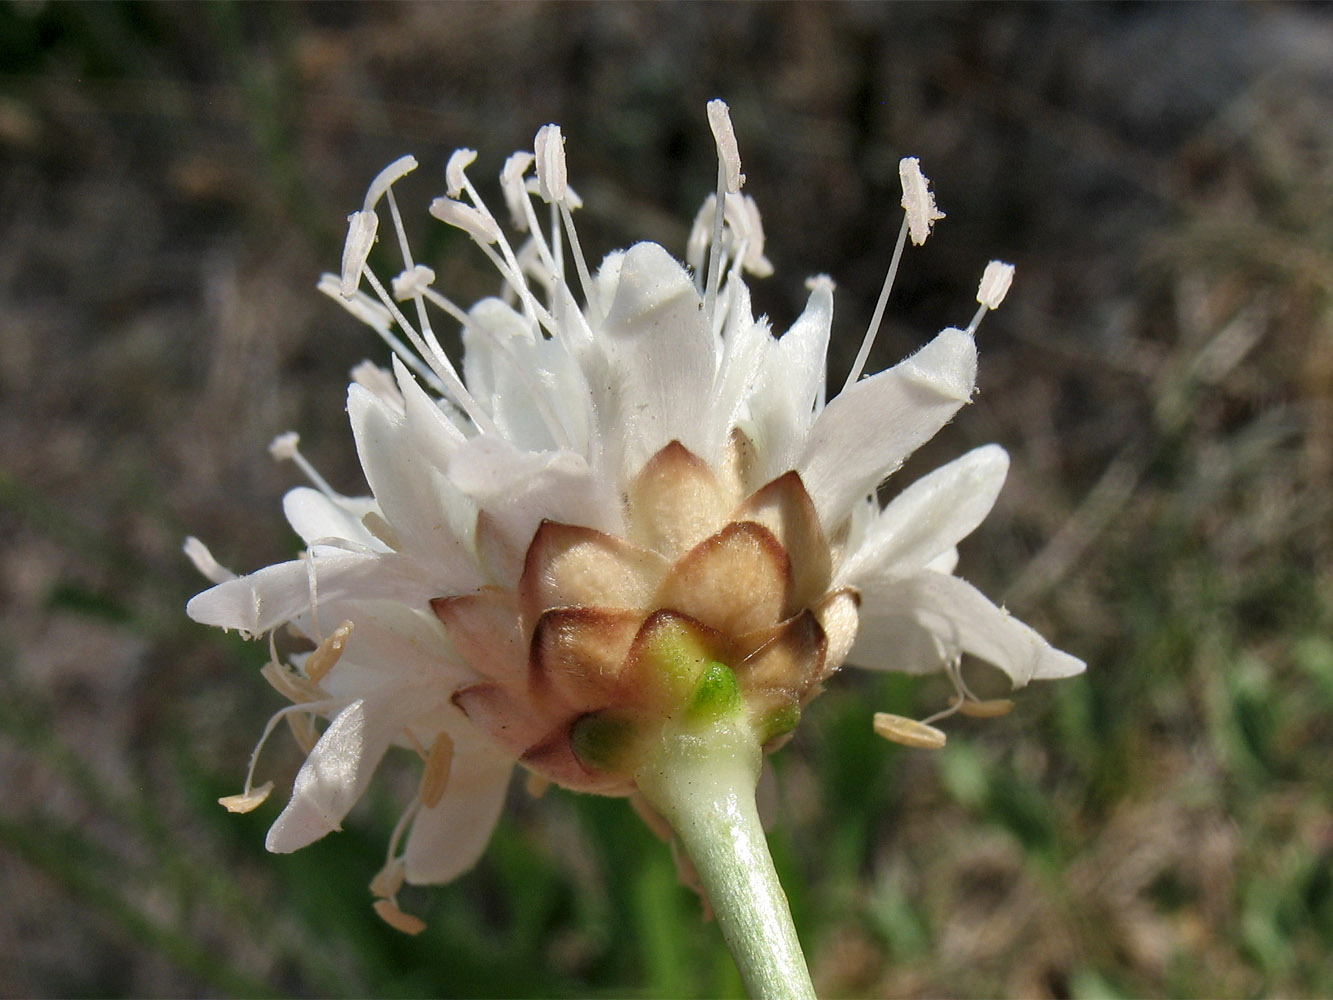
702	780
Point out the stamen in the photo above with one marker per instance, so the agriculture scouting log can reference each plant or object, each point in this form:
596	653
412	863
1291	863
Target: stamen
302	726
552	176
283	448
908	732
374	523
379	319
361	230
377	380
728	151
480	226
729	179
388	911
435	775
452	385
248	791
581	265
990	709
246	801
454	178
204	562
389	879
414	281
995	282
877	317
512	185
328	652
536	784
918	201
362	225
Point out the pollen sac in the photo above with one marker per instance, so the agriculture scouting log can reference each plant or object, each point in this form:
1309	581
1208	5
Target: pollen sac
716	602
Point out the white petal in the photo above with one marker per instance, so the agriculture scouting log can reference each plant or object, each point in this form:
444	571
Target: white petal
447	840
520	489
891	641
659	358
930	517
962	620
746	359
429	516
333	777
791	390
427	429
867	431
315	517
280	593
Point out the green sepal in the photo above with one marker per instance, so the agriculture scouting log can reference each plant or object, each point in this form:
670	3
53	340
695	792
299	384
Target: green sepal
715	696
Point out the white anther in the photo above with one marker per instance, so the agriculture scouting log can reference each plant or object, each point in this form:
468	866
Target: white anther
908	732
283	448
918	201
413	282
396	170
742	213
995	282
514	189
459	161
552	179
361	229
360	305
728	152
477	224
204	562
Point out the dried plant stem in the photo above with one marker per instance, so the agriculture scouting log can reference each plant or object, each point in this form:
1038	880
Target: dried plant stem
702	780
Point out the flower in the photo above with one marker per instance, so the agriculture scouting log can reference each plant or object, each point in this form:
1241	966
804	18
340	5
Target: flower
633	499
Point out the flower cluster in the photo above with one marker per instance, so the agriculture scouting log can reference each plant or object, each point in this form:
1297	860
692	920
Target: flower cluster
631	501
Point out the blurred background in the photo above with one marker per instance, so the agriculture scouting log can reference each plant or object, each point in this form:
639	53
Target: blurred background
174	178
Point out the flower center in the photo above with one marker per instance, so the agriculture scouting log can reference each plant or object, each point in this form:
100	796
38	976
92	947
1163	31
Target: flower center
715	600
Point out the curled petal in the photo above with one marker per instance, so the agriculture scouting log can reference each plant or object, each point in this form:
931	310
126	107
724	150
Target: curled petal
867	431
448	838
931	516
956	618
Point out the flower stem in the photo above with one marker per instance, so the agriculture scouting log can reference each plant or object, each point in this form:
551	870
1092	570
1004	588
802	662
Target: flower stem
702	780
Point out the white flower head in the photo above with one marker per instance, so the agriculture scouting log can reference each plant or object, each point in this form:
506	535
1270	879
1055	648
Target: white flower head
631	496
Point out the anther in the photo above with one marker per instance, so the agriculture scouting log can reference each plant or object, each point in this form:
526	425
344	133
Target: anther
990	709
328	652
480	226
908	732
552	179
728	151
204	562
918	202
388	911
413	282
459	161
435	776
246	801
